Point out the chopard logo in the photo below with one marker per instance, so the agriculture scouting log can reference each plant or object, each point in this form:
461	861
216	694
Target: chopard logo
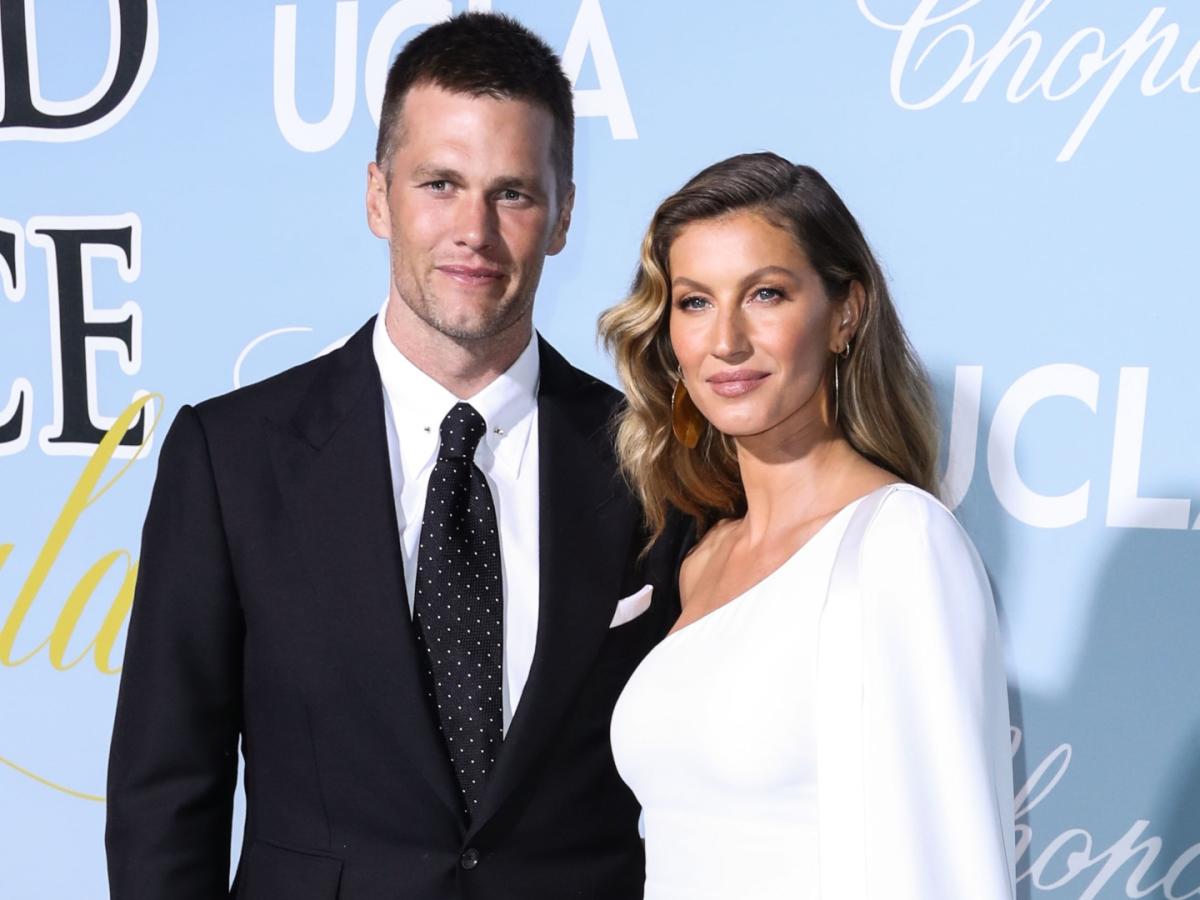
1073	854
942	37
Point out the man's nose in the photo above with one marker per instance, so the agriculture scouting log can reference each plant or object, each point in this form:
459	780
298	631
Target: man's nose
475	225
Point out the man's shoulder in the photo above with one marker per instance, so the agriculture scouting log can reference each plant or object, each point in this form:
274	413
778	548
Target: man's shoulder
599	394
561	377
274	392
277	398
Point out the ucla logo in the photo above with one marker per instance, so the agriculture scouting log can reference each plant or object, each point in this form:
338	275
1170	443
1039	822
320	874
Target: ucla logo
589	37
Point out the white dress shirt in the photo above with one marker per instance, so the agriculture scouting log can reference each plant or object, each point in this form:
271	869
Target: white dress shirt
414	406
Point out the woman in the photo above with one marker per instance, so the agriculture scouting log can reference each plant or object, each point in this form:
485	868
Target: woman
828	717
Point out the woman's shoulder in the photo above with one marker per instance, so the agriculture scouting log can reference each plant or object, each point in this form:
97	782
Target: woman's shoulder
903	505
921	577
911	529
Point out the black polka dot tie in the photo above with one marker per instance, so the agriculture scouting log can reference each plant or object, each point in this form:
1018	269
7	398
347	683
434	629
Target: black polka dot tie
459	603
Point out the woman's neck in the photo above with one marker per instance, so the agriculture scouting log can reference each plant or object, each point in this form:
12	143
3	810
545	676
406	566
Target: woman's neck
794	475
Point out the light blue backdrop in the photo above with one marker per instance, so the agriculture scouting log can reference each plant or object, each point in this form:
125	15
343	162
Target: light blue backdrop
1025	170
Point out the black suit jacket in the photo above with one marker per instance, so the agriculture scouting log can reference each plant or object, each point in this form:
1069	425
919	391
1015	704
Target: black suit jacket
270	607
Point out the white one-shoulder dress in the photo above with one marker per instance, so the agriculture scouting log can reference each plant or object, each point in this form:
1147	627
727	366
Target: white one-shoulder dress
903	792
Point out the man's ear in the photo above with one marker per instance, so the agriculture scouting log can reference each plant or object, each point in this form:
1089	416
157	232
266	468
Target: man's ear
379	215
558	238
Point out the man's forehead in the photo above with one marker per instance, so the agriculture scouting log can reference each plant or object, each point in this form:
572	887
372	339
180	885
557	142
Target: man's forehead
437	100
455	130
432	86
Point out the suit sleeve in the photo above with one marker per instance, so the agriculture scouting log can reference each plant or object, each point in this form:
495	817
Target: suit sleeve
173	761
938	780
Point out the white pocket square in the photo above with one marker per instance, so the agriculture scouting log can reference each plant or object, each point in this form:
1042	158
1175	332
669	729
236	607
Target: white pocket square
632	606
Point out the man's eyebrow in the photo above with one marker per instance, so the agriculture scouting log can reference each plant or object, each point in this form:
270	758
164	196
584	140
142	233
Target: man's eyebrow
436	173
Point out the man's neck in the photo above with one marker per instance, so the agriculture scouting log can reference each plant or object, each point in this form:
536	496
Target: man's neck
463	367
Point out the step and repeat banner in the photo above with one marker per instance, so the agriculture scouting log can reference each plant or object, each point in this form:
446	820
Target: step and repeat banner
181	213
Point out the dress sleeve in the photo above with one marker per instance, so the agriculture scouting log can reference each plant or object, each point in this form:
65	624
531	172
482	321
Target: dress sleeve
937	787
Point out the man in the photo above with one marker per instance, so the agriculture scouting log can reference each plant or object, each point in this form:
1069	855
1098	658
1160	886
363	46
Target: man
408	607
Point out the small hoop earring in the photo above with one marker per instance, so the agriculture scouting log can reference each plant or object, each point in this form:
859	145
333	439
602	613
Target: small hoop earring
845	351
686	420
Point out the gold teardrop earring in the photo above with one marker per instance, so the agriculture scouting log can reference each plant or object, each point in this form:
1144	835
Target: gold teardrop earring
687	423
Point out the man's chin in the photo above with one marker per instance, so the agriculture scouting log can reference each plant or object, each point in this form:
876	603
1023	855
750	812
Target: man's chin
471	329
470	319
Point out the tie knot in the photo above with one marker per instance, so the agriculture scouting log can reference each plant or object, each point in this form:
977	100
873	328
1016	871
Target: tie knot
461	430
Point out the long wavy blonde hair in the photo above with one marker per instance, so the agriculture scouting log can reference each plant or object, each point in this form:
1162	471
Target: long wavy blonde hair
884	405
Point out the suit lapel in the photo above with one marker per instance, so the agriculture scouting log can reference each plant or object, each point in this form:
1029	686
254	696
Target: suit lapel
335	478
585	538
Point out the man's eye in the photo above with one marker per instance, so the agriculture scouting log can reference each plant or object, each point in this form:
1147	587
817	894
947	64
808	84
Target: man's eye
512	196
439	185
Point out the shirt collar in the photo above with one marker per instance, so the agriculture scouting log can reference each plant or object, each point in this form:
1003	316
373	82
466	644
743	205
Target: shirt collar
418	404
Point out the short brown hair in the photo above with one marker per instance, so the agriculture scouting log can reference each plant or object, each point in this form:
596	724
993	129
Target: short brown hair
482	53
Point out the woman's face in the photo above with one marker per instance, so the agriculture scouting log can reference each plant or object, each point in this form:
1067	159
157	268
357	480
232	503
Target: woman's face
752	326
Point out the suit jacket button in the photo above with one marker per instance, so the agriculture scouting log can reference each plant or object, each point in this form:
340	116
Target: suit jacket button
469	858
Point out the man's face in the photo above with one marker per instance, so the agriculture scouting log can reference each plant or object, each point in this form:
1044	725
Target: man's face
470	210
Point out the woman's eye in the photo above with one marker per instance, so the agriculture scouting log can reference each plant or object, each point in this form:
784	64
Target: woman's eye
691	302
767	294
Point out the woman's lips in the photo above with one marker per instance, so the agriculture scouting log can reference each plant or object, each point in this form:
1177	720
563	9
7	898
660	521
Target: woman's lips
736	383
471	275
